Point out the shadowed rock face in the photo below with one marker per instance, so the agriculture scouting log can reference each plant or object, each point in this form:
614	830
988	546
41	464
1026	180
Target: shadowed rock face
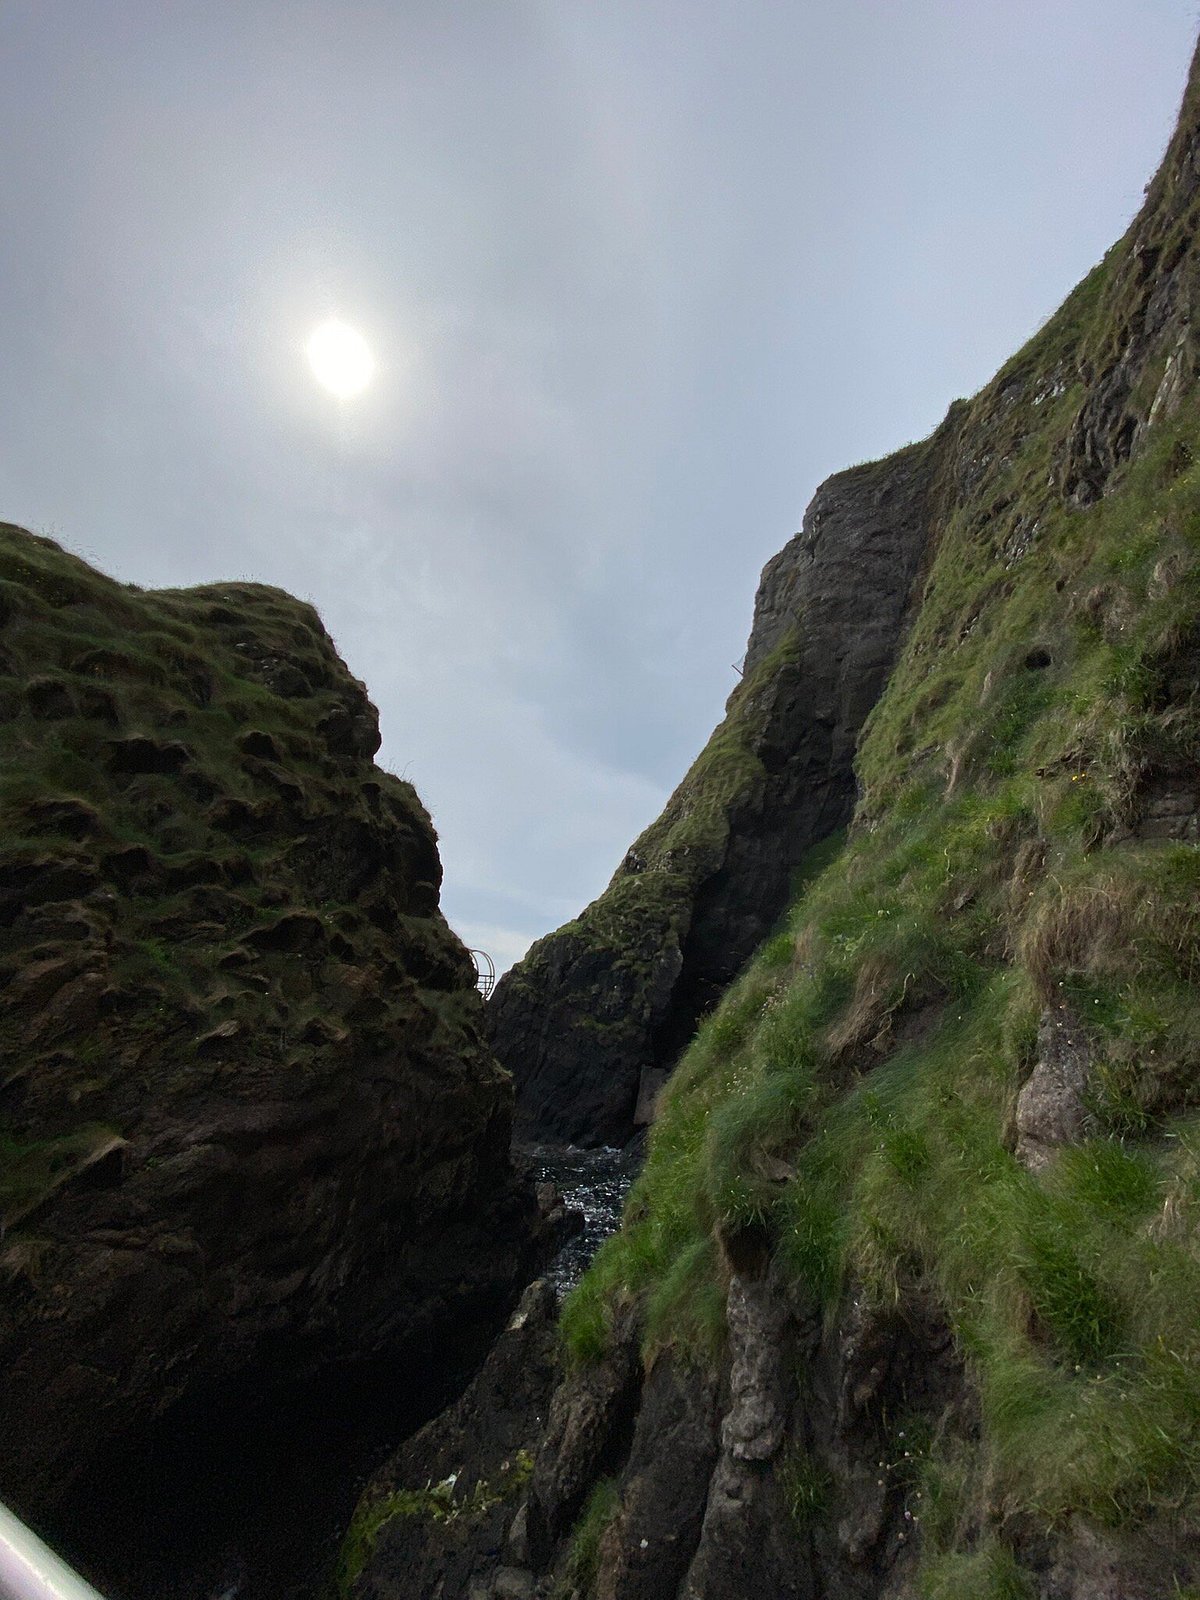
620	990
445	1501
248	1123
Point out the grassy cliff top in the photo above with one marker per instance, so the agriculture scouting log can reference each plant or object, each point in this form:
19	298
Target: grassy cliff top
1022	878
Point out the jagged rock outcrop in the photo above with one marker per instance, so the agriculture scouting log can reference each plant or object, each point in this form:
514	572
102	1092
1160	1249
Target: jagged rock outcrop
249	1127
717	1481
1052	1107
617	993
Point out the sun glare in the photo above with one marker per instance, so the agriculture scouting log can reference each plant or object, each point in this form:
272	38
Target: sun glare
340	359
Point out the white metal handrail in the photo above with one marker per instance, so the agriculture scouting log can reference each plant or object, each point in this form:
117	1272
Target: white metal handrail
29	1569
485	972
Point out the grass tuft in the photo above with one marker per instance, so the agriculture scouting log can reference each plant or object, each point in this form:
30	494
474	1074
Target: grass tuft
578	1580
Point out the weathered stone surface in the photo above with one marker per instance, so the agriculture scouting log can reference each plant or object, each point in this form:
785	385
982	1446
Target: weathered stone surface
1052	1107
1081	1561
512	1583
748	1544
879	1373
586	1435
707	1505
1152	295
645	1550
250	1128
755	1317
583	1048
748	1534
485	1440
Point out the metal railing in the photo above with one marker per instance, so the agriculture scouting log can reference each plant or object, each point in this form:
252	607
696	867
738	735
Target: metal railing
485	971
29	1569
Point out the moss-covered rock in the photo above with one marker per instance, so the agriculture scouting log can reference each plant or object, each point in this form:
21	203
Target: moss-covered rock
248	1123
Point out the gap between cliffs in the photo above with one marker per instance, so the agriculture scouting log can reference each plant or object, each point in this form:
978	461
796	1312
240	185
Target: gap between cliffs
596	1014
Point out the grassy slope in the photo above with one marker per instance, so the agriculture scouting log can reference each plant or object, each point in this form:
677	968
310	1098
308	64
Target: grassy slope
855	1092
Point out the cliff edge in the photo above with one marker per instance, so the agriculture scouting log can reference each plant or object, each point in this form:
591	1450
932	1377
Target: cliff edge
249	1127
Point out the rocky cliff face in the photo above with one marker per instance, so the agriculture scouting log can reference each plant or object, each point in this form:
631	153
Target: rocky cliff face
616	994
904	1303
249	1127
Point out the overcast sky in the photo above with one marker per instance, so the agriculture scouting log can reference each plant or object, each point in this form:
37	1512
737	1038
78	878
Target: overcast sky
637	274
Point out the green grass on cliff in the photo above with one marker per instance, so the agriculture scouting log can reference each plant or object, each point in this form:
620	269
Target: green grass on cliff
441	1502
690	836
582	1565
854	1095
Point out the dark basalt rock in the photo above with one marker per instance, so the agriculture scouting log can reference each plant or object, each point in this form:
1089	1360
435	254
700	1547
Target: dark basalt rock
708	1503
586	1436
1154	290
248	1134
646	1549
476	1457
783	1472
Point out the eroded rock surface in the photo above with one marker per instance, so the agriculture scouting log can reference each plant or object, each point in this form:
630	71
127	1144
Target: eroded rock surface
586	1435
451	1495
249	1127
781	1472
1052	1108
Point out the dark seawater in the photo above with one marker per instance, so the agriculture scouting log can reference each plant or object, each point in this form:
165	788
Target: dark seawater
593	1182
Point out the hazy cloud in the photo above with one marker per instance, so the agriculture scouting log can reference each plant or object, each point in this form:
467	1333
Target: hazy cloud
637	276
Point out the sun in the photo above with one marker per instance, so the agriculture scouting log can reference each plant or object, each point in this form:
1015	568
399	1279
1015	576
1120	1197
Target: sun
340	359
